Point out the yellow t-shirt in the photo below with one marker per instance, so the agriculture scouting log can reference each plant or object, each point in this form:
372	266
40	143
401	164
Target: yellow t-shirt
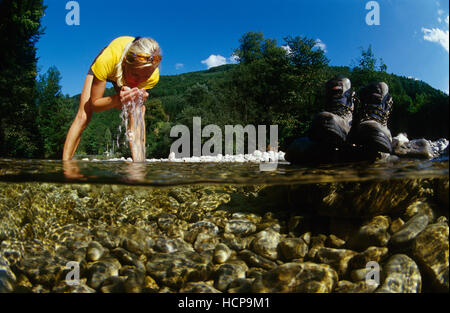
104	65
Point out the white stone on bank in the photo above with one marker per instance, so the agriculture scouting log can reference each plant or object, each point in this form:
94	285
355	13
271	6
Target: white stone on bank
255	157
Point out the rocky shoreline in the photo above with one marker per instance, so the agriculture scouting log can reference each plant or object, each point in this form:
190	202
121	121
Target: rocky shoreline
233	239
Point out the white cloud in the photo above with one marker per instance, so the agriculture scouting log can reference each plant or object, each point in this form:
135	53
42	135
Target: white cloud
436	35
320	45
287	49
234	59
179	66
216	60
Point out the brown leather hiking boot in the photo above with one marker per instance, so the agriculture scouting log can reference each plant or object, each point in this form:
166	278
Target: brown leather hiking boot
370	130
333	124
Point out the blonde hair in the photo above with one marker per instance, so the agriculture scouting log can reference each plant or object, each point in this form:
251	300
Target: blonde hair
138	45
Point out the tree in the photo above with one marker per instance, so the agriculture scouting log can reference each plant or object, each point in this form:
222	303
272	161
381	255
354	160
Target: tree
368	69
54	113
19	31
367	60
250	47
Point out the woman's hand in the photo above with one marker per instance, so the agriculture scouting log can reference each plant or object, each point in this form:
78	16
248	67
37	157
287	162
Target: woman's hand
127	94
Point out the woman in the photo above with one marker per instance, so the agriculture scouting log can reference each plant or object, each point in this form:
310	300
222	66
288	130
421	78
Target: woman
132	65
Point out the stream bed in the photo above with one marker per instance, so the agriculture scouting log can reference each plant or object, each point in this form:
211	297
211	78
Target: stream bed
84	226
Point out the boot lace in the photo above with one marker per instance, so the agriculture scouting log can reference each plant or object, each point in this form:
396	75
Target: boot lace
342	106
378	112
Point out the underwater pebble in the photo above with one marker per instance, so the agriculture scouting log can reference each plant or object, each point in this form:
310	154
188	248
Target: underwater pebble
222	253
11	251
266	242
205	242
63	287
240	227
410	229
134	279
362	274
256	219
150	285
371	254
236	242
337	258
124	257
297	277
316	242
102	270
114	284
431	250
293	248
7	279
401	276
418	207
198	287
228	272
167	245
396	225
94	251
177	268
374	233
40	289
200	227
240	285
345	286
334	241
256	260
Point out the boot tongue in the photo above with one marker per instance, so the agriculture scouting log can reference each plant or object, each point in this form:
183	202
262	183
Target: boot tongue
341	101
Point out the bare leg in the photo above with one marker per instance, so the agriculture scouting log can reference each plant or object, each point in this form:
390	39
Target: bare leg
82	119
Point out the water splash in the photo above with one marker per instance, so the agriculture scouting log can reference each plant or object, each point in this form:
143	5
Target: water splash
132	112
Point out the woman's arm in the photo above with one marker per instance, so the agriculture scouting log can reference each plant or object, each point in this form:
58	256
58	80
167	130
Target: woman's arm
100	103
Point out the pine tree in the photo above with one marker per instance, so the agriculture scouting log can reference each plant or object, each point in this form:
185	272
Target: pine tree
19	31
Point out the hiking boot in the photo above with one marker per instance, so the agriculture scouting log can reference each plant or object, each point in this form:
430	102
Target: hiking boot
371	129
333	124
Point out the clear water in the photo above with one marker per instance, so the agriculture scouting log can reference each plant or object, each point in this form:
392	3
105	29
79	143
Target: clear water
170	174
134	124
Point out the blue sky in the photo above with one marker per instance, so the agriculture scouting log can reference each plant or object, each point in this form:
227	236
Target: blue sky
412	35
